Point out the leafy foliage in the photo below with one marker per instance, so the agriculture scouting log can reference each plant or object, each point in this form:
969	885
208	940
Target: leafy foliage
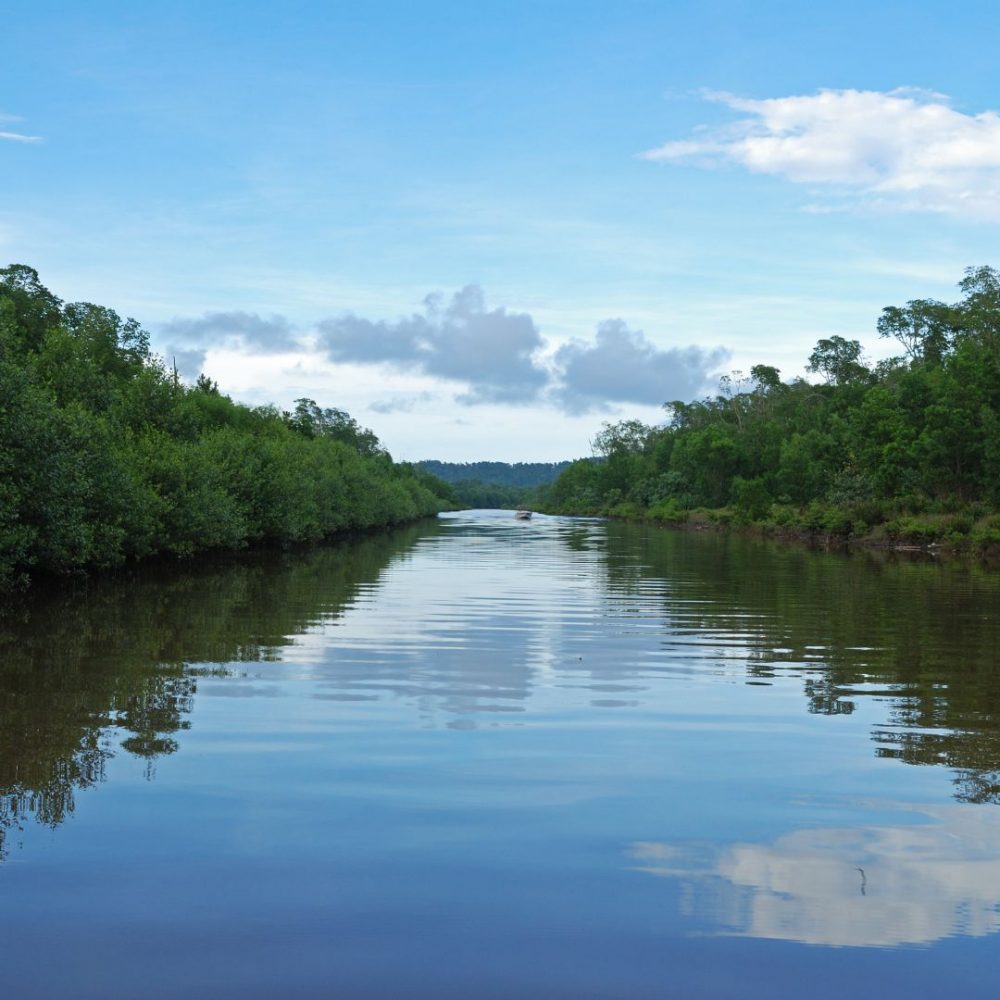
913	436
496	473
106	457
495	484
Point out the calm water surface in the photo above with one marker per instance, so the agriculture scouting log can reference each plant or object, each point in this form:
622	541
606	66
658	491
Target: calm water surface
489	758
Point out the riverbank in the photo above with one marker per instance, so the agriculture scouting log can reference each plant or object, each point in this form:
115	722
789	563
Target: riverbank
903	453
109	458
167	567
966	534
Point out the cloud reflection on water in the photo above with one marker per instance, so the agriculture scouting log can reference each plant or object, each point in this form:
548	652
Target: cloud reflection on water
933	876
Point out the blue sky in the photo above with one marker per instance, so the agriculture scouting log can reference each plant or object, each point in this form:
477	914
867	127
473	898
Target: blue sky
484	229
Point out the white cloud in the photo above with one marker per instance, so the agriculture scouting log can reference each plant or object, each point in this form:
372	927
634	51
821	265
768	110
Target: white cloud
186	341
498	355
16	136
904	149
501	357
273	333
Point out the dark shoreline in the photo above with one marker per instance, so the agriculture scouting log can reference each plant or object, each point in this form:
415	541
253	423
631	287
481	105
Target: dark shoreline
46	585
722	523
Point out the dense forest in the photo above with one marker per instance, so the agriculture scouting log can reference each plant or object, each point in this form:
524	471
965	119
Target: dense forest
496	473
495	484
106	456
907	449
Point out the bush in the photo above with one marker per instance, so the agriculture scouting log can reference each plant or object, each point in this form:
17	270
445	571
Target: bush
751	498
667	512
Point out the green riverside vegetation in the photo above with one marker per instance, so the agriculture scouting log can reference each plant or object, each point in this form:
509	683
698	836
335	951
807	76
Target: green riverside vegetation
495	484
905	451
107	457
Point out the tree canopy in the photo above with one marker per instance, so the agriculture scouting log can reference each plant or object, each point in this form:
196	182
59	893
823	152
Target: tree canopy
918	434
105	456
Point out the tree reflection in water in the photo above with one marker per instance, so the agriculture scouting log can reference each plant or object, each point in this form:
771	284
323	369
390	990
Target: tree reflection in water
114	664
918	636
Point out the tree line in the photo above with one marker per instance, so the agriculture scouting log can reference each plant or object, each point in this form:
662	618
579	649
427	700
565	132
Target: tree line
908	448
496	473
106	456
495	484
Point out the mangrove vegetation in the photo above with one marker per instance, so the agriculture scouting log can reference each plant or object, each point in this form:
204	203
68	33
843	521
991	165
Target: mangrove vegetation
106	456
495	484
905	450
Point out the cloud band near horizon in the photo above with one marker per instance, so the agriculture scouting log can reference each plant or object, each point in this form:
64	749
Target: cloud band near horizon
497	356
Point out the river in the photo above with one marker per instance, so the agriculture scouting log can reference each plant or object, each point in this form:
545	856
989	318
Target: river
480	757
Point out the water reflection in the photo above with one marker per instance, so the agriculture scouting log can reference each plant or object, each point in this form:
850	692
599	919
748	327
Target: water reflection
921	639
115	665
932	876
485	616
411	764
476	621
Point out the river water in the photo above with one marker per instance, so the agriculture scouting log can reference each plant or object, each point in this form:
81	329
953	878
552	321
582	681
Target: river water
488	758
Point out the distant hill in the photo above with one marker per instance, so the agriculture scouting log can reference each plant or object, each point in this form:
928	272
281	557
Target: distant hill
521	474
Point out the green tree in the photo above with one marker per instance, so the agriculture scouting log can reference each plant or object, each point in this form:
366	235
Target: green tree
838	361
924	328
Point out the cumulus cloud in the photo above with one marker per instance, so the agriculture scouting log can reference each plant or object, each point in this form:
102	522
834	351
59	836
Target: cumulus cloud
622	366
491	356
490	350
905	149
271	334
188	339
15	136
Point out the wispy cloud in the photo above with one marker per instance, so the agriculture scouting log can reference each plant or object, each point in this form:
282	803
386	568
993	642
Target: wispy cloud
15	136
903	149
405	403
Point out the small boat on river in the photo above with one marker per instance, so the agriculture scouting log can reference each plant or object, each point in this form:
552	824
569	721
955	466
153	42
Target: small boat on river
522	515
